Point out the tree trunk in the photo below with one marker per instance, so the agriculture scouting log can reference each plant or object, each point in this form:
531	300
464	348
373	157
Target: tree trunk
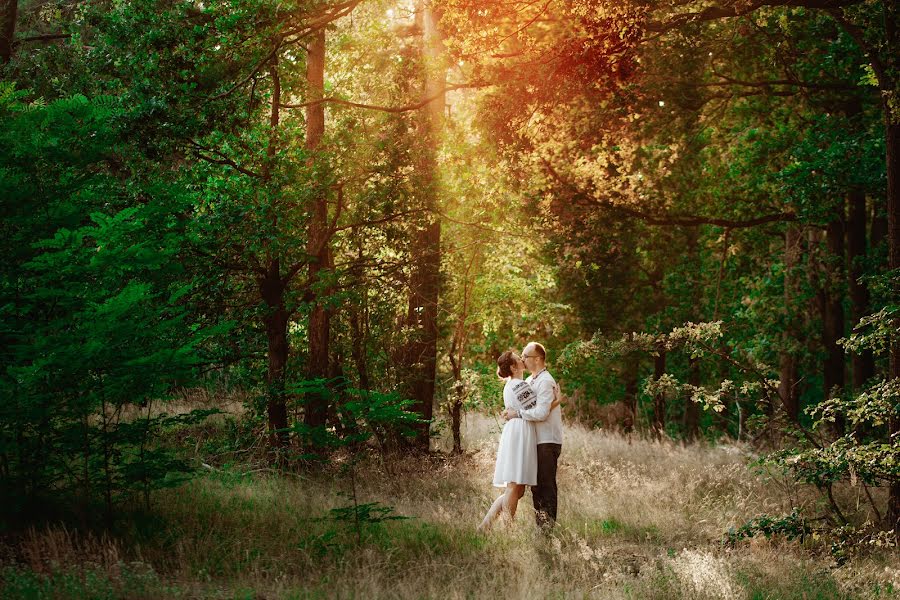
826	274
691	420
276	320
659	401
885	62
833	317
422	317
456	414
458	351
272	290
421	356
691	408
456	397
318	240
893	195
632	368
358	348
888	87
8	29
863	362
879	226
787	387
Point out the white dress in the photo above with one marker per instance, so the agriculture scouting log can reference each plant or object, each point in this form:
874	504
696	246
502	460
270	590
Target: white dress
517	454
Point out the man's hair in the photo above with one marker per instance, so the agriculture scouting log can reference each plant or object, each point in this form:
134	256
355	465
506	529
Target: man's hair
539	348
505	363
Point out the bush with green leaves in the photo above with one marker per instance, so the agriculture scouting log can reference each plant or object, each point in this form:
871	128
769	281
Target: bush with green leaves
792	526
867	456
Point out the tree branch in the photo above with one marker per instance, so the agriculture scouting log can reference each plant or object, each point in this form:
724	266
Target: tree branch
730	81
389	109
881	72
226	162
677	220
738	9
297	34
482	227
221	160
386	219
250	76
43	38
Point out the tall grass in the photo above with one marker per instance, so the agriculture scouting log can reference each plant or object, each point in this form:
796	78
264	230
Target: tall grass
638	519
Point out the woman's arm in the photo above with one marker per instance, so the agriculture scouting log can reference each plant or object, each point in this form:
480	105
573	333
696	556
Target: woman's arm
557	397
545	396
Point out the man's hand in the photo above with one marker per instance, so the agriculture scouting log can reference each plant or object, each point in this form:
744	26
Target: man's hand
510	413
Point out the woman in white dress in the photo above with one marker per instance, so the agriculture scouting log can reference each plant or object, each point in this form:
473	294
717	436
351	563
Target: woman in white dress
517	455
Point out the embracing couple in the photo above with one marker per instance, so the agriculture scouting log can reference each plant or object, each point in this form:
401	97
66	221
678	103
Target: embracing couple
532	436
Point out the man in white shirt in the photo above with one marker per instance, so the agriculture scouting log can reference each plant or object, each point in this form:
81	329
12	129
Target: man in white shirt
548	426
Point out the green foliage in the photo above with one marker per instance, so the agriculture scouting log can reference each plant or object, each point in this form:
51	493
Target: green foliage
363	518
865	456
157	212
361	416
791	527
93	307
127	581
593	368
802	586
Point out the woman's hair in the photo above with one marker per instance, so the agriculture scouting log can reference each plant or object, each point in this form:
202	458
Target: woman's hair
505	363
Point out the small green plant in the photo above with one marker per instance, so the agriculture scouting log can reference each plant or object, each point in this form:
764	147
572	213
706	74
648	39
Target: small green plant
364	415
362	518
790	526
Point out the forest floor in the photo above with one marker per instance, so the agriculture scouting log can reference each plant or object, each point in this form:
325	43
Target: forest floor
637	519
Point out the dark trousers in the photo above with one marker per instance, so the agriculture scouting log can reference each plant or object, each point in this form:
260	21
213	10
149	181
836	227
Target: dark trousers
544	493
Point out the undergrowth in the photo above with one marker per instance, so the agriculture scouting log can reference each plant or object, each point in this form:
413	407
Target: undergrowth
638	519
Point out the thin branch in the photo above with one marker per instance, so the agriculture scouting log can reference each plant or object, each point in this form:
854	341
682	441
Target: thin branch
872	502
295	268
679	220
739	9
855	32
388	109
44	38
222	159
249	76
282	40
729	81
332	227
323	20
226	162
385	219
763	379
527	24
482	227
764	92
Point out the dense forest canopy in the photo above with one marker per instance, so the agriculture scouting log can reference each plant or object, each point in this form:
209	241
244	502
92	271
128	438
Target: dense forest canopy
349	209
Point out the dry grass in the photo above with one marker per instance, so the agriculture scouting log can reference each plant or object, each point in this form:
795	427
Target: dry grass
637	520
230	402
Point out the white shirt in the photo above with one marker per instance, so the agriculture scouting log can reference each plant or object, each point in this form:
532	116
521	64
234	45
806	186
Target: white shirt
547	423
519	395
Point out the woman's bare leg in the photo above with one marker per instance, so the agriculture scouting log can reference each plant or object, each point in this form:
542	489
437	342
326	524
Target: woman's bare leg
507	501
492	513
514	491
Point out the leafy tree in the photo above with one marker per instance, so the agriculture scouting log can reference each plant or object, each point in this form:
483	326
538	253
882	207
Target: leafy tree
94	316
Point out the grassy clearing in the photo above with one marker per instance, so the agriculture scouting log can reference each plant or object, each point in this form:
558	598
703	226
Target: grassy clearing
637	520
